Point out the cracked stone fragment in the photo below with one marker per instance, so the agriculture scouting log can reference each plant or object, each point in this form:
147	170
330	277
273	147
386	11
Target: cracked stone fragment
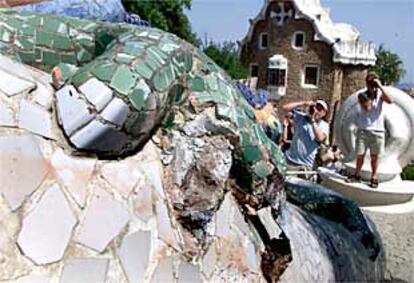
22	168
6	119
33	279
164	271
188	273
134	254
72	111
85	270
123	175
154	173
165	229
269	223
99	137
142	203
47	229
104	220
35	118
116	112
97	93
223	218
209	261
74	173
12	85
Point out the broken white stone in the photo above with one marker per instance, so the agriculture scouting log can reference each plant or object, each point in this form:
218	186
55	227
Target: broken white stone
265	215
97	93
33	279
22	168
209	261
239	221
134	254
142	203
85	270
123	175
165	229
47	229
153	171
11	84
252	258
164	271
6	118
35	118
97	136
116	112
104	220
73	112
223	218
188	273
73	173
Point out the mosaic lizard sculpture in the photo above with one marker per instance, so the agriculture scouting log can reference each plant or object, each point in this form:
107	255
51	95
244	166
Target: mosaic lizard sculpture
137	96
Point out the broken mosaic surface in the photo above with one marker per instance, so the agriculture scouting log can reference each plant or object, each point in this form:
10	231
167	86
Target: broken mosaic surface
143	99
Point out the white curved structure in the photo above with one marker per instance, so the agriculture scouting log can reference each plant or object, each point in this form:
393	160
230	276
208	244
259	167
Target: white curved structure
399	122
399	152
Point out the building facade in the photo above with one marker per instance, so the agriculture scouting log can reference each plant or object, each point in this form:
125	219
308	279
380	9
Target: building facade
297	52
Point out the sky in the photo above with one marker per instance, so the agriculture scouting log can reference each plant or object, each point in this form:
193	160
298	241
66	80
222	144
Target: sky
388	22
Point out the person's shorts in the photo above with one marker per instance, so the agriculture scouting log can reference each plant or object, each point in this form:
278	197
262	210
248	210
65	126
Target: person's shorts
372	140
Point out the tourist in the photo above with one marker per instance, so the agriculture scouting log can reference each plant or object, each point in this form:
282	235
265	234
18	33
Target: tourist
288	130
370	127
310	131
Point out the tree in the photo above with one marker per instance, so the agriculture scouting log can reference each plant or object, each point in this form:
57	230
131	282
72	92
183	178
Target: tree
389	66
227	56
168	15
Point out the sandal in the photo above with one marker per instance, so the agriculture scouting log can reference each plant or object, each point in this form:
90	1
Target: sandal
374	183
353	179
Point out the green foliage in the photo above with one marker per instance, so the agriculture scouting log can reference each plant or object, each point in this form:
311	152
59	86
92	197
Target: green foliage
408	173
227	56
389	66
168	15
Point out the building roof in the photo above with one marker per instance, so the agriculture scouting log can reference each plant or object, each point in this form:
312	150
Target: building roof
343	37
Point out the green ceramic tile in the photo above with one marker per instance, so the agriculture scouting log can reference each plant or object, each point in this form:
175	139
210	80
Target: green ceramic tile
245	139
83	56
143	70
212	83
14	23
225	111
124	58
197	84
69	58
133	49
50	58
24	42
61	42
212	67
252	154
5	35
27	30
176	92
261	169
80	77
163	78
104	72
204	98
123	80
26	57
138	98
35	21
51	24
152	62
43	38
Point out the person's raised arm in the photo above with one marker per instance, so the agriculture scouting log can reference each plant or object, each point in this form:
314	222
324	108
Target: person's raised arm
385	97
293	105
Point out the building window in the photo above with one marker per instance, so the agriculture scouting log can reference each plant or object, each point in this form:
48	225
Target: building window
276	77
298	40
311	76
254	70
263	42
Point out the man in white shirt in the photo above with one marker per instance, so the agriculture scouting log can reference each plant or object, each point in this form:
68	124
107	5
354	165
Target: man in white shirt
370	126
